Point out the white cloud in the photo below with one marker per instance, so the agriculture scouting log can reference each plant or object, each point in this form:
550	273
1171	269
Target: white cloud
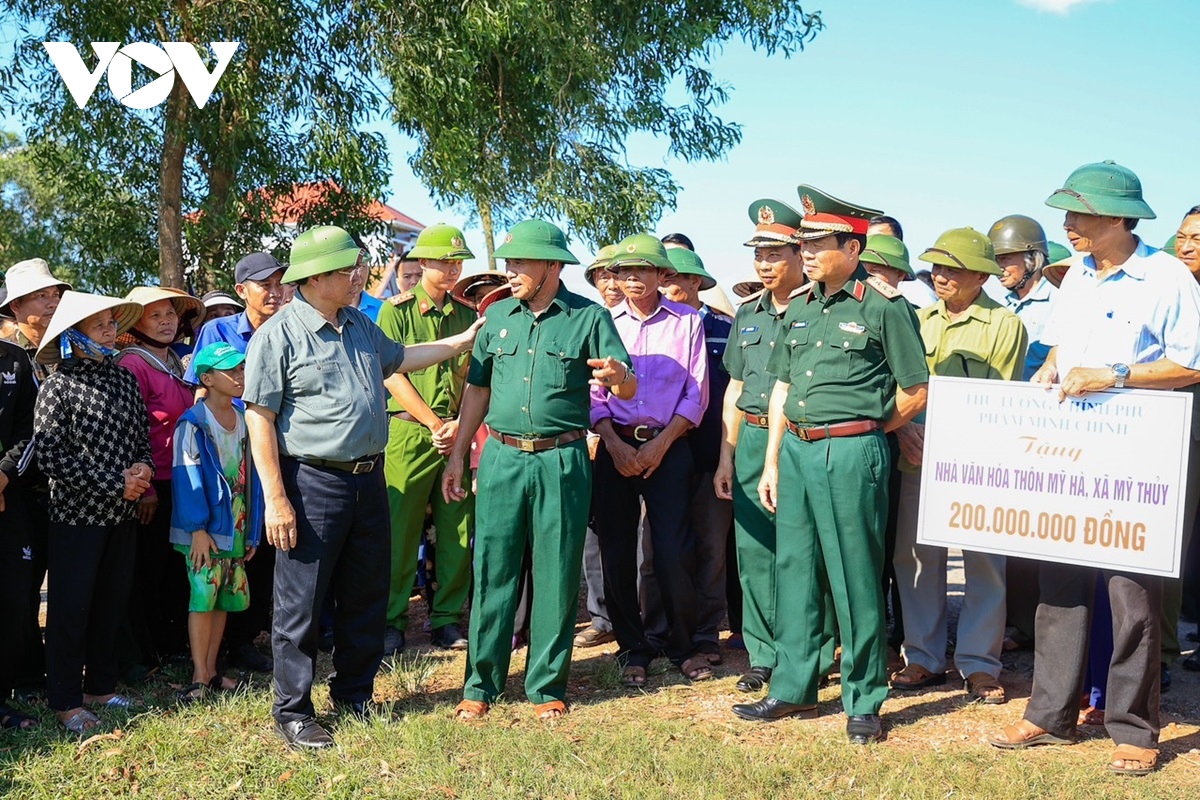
1054	6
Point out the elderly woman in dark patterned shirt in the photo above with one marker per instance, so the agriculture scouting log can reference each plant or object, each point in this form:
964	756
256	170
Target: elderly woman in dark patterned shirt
92	440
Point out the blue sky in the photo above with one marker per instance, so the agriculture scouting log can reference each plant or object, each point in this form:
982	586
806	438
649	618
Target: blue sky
944	114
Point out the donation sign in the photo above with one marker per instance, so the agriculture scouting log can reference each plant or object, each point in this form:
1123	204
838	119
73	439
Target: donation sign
1096	480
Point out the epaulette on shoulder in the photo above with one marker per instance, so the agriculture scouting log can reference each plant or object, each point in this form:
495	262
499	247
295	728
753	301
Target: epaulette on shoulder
802	290
883	287
400	299
750	298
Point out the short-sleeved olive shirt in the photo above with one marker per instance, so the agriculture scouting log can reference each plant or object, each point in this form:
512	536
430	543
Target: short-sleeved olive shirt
755	330
413	318
988	341
842	356
324	385
536	367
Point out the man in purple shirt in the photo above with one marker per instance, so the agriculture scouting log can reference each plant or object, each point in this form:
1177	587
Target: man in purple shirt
644	456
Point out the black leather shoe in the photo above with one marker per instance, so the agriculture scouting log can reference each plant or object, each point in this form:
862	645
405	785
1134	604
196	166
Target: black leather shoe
864	729
304	734
247	656
448	637
754	680
769	709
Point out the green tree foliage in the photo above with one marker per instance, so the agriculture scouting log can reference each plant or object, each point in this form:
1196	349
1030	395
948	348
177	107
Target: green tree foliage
177	187
523	107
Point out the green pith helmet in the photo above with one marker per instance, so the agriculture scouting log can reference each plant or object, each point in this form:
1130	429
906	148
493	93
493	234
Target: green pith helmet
887	251
776	223
1017	233
1169	247
1102	190
643	249
537	240
1057	252
319	250
441	242
603	258
688	263
964	248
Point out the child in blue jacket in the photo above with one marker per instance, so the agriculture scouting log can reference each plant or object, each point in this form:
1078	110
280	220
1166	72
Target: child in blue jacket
218	507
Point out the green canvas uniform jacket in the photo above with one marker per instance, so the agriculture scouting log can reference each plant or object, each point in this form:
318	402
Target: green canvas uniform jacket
536	367
843	355
413	318
755	331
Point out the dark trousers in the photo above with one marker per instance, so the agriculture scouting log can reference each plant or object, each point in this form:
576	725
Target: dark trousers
243	628
891	591
31	670
618	509
156	626
91	575
16	576
1061	648
342	537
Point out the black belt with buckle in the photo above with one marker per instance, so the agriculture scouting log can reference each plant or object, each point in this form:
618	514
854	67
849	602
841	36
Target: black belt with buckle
639	433
359	466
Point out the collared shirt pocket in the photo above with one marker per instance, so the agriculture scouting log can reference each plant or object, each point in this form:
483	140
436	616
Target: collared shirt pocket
504	359
318	379
854	348
563	364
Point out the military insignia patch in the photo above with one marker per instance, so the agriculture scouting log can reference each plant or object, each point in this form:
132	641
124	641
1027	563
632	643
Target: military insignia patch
508	238
806	202
800	324
750	329
457	242
631	248
852	327
766	216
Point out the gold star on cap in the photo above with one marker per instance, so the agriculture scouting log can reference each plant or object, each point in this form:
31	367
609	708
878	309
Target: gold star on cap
766	216
806	202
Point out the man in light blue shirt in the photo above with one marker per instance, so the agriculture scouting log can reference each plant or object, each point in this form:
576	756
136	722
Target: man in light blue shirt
1022	251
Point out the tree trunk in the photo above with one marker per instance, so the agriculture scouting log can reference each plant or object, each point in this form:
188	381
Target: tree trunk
170	197
489	237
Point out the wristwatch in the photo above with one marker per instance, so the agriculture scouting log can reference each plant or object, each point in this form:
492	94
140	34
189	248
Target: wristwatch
1122	373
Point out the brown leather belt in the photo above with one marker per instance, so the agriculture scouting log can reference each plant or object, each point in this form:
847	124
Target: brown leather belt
818	432
756	420
530	445
641	433
407	417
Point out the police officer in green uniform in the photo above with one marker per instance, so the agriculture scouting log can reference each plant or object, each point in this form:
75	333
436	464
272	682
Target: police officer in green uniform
423	409
850	366
755	330
534	362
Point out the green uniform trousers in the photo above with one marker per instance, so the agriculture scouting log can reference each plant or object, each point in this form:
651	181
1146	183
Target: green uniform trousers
413	471
539	502
832	510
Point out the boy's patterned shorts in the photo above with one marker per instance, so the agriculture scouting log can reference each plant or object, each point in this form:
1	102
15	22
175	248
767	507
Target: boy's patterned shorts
219	587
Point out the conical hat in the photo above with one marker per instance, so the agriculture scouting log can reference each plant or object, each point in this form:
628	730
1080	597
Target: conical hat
183	302
73	309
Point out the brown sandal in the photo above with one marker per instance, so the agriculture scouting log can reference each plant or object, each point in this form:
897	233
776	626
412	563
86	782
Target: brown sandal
696	668
984	688
552	710
470	710
914	677
1091	716
633	677
1127	754
1024	734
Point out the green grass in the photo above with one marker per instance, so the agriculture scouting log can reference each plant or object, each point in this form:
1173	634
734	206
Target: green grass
673	741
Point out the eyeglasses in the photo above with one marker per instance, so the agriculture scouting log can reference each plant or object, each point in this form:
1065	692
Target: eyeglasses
359	268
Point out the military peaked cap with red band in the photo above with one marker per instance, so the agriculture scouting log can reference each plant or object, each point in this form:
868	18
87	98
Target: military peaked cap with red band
825	215
776	224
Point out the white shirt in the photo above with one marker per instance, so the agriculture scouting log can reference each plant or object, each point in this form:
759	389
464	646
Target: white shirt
1148	309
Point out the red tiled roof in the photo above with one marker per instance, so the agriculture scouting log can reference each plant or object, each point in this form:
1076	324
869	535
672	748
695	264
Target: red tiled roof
290	207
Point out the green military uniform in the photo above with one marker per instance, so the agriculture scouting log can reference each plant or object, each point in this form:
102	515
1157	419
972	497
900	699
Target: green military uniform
536	368
413	467
841	356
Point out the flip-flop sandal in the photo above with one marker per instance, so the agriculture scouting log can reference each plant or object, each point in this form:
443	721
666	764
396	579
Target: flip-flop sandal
1025	734
1127	754
634	677
218	683
696	671
192	693
11	719
914	677
116	701
470	710
81	722
555	709
978	686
